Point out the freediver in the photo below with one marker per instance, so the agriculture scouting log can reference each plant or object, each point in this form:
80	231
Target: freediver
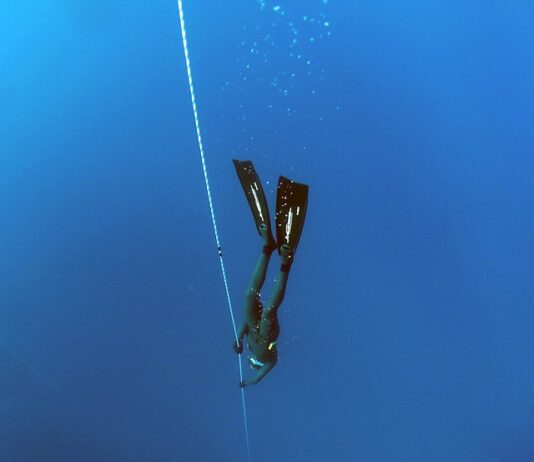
260	323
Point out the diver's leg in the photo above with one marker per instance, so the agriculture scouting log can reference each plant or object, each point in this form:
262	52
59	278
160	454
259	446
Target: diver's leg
269	328
252	294
269	320
260	270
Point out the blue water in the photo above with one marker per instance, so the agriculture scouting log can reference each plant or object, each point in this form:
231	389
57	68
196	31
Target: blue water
407	324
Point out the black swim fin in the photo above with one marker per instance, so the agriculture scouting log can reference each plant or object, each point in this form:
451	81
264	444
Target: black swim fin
291	206
254	191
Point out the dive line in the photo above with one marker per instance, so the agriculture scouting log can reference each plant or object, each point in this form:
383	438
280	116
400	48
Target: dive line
212	209
28	366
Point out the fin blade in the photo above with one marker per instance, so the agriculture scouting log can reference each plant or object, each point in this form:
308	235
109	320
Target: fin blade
291	208
254	193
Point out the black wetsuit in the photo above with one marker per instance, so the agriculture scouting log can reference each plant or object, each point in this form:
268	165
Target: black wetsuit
261	323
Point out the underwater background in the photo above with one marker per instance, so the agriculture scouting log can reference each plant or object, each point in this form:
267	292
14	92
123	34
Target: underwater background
406	331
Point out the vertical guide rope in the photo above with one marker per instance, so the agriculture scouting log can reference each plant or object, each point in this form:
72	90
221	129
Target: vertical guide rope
212	210
34	371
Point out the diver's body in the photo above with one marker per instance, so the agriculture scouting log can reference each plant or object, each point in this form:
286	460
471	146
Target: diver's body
261	322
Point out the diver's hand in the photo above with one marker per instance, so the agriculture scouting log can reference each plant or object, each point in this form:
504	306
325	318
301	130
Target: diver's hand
238	347
242	384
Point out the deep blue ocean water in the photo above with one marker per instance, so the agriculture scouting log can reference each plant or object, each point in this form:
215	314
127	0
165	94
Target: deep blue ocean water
407	324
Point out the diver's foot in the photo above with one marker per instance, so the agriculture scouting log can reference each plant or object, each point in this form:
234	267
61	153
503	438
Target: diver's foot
268	241
286	252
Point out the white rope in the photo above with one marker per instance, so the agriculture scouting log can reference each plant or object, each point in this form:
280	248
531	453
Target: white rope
212	210
29	367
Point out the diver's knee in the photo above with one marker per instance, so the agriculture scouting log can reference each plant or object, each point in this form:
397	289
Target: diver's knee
251	294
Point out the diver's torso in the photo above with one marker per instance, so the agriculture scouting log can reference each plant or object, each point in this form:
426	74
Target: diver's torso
264	349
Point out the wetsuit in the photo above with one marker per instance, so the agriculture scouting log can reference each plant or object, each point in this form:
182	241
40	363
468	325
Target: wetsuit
261	322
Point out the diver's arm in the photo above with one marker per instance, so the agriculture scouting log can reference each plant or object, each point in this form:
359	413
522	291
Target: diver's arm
262	372
238	346
242	331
